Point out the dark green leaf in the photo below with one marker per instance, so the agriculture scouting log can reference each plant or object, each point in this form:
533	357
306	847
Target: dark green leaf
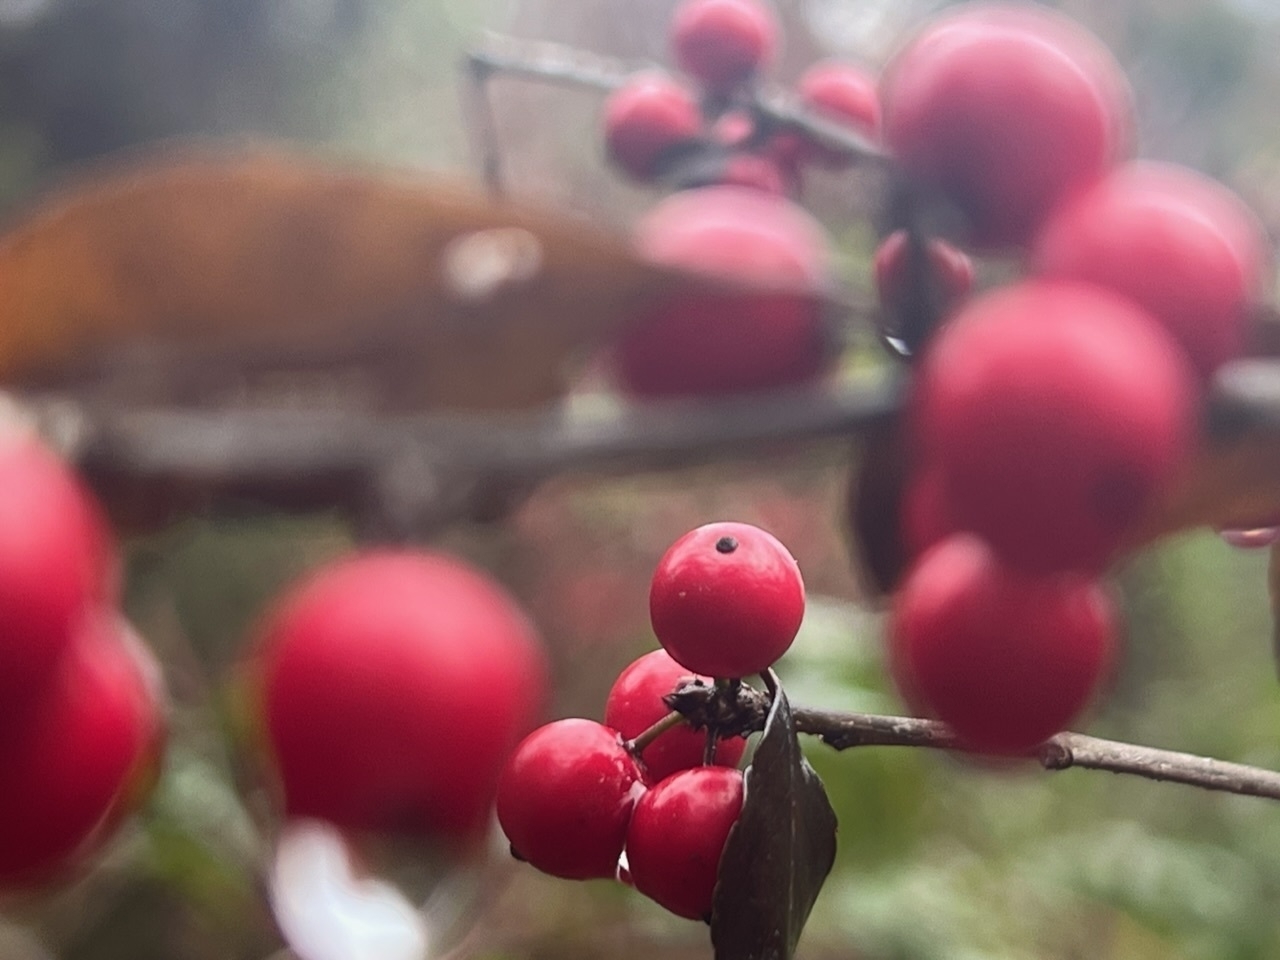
779	853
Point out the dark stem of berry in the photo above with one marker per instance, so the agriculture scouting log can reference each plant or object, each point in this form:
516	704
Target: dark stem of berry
642	740
749	710
709	747
726	545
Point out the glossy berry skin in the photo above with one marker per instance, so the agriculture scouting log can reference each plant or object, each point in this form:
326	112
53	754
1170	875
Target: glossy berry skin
635	704
566	796
716	344
949	273
57	563
1005	109
1182	246
1006	659
1055	413
677	835
723	43
726	600
645	119
391	687
78	759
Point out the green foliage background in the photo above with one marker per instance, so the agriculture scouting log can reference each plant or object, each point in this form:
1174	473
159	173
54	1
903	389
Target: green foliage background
939	859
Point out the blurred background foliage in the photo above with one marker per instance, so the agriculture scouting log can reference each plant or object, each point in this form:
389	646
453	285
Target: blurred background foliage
938	858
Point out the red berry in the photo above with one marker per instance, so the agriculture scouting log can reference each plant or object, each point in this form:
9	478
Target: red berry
726	600
392	687
1005	109
947	270
756	172
57	563
841	93
924	512
677	836
645	119
566	796
723	43
1055	413
635	704
75	761
1179	244
1006	659
714	344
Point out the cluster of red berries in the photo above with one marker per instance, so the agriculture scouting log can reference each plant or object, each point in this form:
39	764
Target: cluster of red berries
81	699
388	688
736	217
1049	415
636	798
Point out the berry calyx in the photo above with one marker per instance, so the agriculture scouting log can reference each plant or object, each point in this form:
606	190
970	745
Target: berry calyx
1005	109
677	836
1182	246
645	120
566	797
1054	413
1006	659
723	43
635	704
391	688
721	343
726	600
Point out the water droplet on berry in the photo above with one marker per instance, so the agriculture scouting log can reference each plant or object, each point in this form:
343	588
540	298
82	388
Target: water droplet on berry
1250	538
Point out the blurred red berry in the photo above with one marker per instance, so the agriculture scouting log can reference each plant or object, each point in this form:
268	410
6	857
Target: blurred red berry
1180	245
723	43
1005	109
392	687
721	343
1006	659
645	119
1055	413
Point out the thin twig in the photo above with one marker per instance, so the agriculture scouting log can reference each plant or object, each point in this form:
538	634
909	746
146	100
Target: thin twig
844	731
567	66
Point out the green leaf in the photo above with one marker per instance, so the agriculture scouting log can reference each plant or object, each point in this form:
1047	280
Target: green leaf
779	852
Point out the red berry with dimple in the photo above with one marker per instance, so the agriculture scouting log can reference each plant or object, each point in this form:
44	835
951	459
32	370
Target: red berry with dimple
635	704
392	686
677	836
723	43
1005	109
566	797
75	761
57	562
1006	659
726	600
1182	246
1055	413
719	343
645	119
947	271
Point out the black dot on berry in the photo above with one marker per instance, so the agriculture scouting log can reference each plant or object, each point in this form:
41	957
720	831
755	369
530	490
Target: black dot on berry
726	545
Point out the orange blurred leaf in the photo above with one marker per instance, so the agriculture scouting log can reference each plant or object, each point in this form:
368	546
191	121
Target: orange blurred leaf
235	256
